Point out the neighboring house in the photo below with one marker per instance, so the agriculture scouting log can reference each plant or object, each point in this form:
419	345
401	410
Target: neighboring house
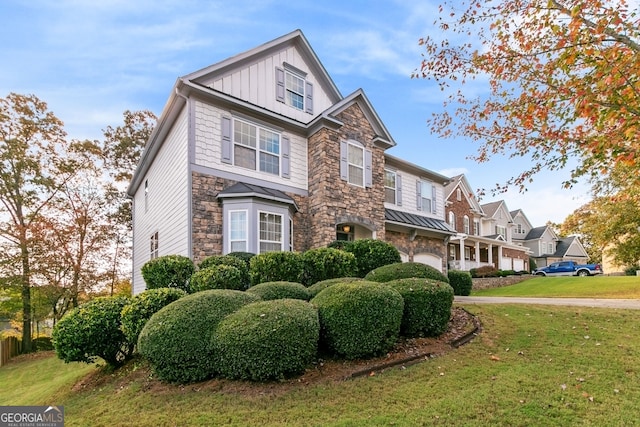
484	232
261	152
546	247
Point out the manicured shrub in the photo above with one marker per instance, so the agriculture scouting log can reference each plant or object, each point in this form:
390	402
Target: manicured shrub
339	244
177	339
276	266
371	254
316	288
405	270
485	271
359	319
631	271
280	290
267	340
169	271
460	281
244	256
427	306
42	344
327	263
218	277
232	260
93	330
142	306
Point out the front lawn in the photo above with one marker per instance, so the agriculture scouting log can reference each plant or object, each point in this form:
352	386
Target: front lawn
570	287
542	366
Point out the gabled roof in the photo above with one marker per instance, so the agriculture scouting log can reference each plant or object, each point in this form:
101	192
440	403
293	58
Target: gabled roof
492	207
295	38
383	137
417	221
564	245
414	169
241	189
538	232
460	181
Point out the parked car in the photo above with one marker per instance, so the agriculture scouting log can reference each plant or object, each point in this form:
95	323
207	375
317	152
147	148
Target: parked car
568	268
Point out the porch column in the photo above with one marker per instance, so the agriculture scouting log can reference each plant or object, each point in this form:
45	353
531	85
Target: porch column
490	255
500	257
477	254
462	260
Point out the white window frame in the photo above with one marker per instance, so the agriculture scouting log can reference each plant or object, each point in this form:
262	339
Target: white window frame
550	248
246	230
388	188
154	246
350	178
290	91
427	196
452	220
259	228
467	253
258	147
501	230
466	224
459	195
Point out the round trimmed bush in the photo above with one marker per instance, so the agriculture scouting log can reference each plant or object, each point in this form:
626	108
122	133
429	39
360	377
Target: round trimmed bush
177	339
405	270
267	340
327	263
232	260
371	254
141	307
316	288
244	256
43	344
169	271
460	281
218	277
276	266
280	290
427	306
359	319
93	330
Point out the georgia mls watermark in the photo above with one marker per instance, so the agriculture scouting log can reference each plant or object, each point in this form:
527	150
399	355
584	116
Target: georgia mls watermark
31	416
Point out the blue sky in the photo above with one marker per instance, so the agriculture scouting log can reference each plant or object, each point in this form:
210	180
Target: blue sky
92	60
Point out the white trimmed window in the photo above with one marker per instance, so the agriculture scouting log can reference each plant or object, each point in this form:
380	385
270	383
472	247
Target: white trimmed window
389	186
466	224
426	196
294	86
238	231
154	241
476	227
270	232
452	220
255	147
501	231
355	161
293	89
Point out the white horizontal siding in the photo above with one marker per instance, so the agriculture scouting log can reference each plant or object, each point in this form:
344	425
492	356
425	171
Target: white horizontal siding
409	197
167	211
256	83
208	149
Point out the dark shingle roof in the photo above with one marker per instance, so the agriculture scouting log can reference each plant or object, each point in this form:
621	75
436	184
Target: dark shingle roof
242	189
417	221
535	233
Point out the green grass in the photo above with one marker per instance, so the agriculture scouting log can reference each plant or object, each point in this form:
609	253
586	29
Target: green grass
542	366
33	380
574	287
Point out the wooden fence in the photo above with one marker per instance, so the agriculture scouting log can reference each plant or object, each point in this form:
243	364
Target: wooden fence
9	347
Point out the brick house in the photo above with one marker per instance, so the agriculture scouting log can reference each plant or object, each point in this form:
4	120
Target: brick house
485	234
261	152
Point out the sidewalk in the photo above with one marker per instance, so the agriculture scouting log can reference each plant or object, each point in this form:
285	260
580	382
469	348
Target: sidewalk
633	304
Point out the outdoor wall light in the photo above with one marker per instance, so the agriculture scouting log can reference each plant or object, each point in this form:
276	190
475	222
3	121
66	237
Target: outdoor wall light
346	228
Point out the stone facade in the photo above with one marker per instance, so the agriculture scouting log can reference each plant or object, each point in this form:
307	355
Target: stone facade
206	213
417	245
333	201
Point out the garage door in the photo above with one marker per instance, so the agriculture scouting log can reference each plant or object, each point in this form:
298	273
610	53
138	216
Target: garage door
429	259
518	264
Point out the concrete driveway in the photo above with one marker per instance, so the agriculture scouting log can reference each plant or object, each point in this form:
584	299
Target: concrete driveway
633	304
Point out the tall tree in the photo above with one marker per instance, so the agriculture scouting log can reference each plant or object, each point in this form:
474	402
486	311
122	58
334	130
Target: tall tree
32	170
563	82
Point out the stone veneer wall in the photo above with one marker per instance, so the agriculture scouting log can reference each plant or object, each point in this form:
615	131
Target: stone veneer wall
419	245
332	200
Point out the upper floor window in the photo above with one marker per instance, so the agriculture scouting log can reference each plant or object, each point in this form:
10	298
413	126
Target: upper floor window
256	148
550	248
355	164
501	231
459	194
389	186
355	159
452	220
476	227
466	224
426	196
293	89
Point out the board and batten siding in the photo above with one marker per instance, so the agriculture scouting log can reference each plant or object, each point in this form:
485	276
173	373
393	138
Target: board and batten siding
168	202
409	196
208	149
256	83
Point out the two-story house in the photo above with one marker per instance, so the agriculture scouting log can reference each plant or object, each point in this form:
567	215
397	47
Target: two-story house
484	233
546	247
261	152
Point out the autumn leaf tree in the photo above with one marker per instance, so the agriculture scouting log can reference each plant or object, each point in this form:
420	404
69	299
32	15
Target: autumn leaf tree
32	171
562	77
